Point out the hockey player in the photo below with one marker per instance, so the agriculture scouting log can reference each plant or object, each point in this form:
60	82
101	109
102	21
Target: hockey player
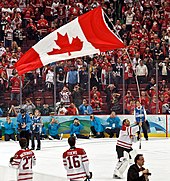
76	162
23	160
124	143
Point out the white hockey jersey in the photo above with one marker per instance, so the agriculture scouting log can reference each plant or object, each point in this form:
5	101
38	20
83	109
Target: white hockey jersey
126	136
76	163
24	160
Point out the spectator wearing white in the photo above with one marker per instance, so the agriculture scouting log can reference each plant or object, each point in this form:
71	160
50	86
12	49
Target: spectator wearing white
2	49
50	79
6	8
129	18
61	110
65	95
8	35
141	72
136	60
164	68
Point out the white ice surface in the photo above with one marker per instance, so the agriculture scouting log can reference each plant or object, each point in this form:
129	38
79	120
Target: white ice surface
101	154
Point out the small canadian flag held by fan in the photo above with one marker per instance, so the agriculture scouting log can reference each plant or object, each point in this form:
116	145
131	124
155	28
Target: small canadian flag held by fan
88	34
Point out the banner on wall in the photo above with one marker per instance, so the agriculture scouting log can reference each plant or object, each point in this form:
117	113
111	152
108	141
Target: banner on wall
158	123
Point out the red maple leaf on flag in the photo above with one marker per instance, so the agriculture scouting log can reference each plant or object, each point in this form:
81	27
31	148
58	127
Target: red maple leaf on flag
65	45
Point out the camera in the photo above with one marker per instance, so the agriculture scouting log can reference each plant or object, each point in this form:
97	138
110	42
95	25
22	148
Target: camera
147	173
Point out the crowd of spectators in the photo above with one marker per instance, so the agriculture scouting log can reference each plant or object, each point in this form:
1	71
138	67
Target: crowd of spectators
143	26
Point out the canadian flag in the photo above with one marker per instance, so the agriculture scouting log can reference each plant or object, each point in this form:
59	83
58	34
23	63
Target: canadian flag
88	34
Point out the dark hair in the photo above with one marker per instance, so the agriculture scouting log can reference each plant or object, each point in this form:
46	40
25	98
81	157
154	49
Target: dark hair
23	142
137	157
76	119
22	111
124	121
72	141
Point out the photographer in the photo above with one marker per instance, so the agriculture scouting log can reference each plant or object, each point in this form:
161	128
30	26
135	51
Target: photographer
9	129
75	129
53	130
136	171
24	123
96	127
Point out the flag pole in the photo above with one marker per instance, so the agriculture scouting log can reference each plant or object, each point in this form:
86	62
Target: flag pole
20	92
137	83
89	83
55	89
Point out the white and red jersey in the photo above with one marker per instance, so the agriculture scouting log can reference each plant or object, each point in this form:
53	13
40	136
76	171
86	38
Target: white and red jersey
23	161
125	136
15	82
76	163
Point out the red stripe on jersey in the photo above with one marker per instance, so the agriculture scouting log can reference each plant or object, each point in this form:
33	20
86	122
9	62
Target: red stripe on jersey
85	160
77	178
28	178
30	61
124	143
25	174
76	174
121	145
94	30
84	156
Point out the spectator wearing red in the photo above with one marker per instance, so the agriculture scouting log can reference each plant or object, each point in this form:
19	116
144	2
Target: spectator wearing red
144	100
15	87
61	9
127	100
47	4
74	10
42	25
31	29
153	105
95	91
72	110
96	102
27	15
19	53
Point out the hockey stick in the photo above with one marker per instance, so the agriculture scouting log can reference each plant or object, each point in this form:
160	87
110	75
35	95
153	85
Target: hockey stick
140	143
140	140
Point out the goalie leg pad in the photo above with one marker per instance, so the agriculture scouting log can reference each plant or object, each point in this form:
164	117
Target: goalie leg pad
132	155
120	167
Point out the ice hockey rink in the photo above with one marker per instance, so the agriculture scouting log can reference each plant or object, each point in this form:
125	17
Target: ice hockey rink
101	154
